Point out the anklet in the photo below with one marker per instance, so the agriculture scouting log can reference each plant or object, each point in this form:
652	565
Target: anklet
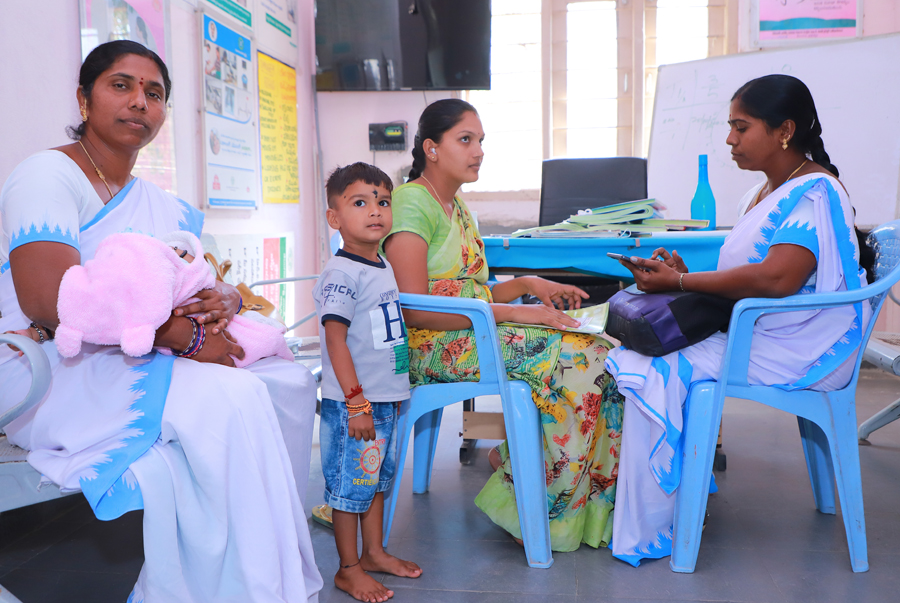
351	565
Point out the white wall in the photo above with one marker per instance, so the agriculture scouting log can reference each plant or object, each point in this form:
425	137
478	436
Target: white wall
344	119
42	44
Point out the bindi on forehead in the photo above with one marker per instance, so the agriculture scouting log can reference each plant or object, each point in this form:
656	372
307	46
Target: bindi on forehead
375	192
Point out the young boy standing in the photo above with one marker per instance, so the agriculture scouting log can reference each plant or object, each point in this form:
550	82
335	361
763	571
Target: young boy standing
365	376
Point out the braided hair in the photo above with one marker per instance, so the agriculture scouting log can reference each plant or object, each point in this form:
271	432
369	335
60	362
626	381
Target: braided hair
436	119
777	98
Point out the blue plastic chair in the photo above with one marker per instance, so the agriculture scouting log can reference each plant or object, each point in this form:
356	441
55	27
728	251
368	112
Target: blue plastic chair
827	420
523	425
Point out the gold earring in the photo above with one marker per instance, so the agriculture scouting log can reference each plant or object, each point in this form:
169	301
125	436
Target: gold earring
83	113
784	144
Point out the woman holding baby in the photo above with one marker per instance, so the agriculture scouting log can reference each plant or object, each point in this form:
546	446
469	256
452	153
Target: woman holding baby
192	441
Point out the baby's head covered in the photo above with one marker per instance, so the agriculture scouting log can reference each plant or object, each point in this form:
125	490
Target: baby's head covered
343	177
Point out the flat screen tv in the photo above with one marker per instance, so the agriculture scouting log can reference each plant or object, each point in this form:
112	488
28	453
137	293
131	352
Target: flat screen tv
403	44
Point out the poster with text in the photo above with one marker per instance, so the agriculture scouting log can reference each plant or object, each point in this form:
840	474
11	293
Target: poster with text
240	10
142	21
229	124
781	20
278	131
263	257
276	26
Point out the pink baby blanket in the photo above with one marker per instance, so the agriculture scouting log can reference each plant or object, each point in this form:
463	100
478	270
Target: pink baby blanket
128	290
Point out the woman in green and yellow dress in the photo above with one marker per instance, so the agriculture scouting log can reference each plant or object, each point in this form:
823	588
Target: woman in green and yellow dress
435	248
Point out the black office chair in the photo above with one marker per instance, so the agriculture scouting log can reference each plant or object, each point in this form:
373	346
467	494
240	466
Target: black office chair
568	185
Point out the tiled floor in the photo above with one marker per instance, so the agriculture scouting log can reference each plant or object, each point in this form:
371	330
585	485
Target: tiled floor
764	542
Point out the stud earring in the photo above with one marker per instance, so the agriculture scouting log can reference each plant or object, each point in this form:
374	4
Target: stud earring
784	144
83	113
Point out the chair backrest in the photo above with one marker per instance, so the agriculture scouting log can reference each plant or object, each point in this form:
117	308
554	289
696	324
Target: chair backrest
885	242
568	185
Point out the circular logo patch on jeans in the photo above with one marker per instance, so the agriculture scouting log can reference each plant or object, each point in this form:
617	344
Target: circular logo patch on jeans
370	460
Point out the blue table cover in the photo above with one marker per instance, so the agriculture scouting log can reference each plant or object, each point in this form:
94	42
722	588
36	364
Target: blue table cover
700	251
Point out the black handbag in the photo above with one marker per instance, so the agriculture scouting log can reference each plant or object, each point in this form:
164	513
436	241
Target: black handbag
655	324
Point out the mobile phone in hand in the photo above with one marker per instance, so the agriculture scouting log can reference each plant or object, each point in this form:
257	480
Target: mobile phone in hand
619	256
624	258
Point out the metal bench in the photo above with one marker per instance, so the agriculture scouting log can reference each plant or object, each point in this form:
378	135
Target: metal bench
884	352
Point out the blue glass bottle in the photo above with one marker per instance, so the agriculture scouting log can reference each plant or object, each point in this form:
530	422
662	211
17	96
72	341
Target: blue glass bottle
703	205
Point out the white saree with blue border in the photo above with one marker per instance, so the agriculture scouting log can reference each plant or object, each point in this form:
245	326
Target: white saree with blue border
197	446
796	350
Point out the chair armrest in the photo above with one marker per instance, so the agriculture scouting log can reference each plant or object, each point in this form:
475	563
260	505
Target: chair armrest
487	341
736	361
40	376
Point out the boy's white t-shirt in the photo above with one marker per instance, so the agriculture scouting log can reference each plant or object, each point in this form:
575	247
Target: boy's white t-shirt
363	295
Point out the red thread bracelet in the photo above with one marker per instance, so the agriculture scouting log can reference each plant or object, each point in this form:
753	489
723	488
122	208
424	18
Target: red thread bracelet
354	392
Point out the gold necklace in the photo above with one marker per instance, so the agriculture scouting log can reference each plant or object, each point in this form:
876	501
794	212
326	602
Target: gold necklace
435	191
96	169
805	161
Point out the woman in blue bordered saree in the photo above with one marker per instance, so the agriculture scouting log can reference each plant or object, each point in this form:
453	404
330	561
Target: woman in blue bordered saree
795	235
214	455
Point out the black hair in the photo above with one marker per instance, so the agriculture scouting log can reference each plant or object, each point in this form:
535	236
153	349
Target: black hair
436	119
343	177
777	98
102	58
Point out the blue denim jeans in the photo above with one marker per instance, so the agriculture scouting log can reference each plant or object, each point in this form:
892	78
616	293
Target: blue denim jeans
356	469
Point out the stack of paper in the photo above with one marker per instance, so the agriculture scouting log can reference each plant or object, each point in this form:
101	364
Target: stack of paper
629	219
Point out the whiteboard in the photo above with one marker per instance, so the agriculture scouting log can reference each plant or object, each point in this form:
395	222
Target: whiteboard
856	87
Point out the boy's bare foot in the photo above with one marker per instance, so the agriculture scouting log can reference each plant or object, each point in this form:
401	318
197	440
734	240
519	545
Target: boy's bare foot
383	562
361	586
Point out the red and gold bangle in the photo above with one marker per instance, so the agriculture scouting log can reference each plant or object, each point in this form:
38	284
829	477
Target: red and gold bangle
357	409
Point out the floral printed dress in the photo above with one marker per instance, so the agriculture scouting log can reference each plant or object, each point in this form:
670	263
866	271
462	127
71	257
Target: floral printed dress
581	409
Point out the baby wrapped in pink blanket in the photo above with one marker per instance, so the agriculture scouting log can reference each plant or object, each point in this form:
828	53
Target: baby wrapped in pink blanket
129	289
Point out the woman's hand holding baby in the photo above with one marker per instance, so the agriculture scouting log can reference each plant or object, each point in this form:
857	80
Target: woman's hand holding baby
219	349
218	305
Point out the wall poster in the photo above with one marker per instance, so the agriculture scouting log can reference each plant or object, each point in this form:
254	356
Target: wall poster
277	29
142	21
229	118
240	10
278	131
263	257
786	21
